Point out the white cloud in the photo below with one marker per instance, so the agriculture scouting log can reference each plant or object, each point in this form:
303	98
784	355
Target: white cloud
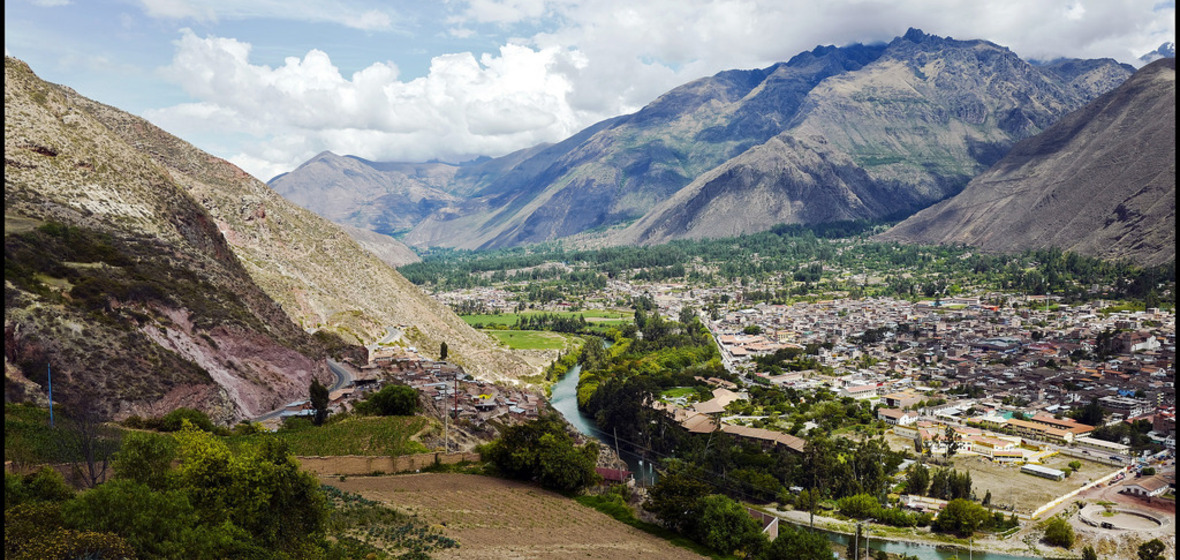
51	3
575	62
353	14
463	107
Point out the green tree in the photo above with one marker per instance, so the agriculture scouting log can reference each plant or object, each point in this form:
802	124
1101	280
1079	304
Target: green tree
962	517
543	451
146	459
797	544
174	420
676	500
319	402
442	351
1152	550
1088	553
391	400
1075	465
726	526
917	479
44	485
1058	532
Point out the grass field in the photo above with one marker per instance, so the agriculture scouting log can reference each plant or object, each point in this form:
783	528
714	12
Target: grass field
597	316
373	436
528	340
500	519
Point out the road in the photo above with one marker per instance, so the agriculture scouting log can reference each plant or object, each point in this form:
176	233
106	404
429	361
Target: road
343	379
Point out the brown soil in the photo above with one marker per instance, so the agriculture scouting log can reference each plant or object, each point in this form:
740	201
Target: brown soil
501	519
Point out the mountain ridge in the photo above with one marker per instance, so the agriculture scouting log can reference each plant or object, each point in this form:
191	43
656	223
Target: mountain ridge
1099	182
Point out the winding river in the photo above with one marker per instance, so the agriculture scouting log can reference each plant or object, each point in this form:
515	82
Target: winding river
565	400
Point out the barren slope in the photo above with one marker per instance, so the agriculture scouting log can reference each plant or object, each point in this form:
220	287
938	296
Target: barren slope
1102	182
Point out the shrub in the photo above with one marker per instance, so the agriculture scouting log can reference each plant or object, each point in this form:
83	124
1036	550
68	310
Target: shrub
391	400
173	420
1058	532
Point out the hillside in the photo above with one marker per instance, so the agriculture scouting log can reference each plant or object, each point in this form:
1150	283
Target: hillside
910	128
860	131
120	281
199	279
1101	182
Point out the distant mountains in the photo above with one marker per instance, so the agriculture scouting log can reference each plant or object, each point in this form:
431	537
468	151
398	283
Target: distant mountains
862	131
151	275
1099	182
1166	50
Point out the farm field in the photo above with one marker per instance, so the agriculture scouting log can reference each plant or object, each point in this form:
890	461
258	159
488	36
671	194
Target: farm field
374	436
502	519
528	340
597	316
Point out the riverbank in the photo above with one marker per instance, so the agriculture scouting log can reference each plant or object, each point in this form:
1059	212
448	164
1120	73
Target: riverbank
1011	548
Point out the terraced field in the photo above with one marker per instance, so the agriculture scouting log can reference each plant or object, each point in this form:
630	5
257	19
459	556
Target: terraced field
501	519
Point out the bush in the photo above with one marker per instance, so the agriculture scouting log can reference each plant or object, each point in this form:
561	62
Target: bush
173	421
391	400
1058	532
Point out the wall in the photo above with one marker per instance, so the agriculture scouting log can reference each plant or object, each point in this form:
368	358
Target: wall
355	465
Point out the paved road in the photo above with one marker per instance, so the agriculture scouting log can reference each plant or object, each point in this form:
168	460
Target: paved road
343	379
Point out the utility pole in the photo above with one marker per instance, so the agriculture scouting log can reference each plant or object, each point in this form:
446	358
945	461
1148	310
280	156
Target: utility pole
49	372
446	429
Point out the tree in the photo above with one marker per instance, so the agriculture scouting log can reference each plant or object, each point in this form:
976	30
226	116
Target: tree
541	450
797	544
951	439
391	400
1088	553
442	352
1091	414
146	459
87	440
1075	465
726	526
676	501
319	401
1152	550
1058	532
917	479
961	517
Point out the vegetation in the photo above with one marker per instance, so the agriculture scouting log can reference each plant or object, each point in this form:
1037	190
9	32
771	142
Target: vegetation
391	400
1058	532
542	451
319	402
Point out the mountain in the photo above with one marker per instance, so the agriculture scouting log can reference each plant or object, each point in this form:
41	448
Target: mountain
151	275
861	131
1166	50
1100	182
908	129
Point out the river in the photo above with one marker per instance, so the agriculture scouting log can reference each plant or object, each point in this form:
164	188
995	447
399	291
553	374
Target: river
564	399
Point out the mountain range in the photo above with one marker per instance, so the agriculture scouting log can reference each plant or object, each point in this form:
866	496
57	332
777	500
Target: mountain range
1099	182
836	133
150	275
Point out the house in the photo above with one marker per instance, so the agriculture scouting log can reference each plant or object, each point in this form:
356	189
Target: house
1149	487
896	416
903	399
1068	424
615	476
859	391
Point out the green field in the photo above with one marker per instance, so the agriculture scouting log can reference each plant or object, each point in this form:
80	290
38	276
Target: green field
364	435
528	340
593	316
677	392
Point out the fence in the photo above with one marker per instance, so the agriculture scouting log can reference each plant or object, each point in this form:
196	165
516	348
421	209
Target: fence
356	465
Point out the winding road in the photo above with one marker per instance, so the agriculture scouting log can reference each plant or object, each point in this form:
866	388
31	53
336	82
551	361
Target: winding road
343	379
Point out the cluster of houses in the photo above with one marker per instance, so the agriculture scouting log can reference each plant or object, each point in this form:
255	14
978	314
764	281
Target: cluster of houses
1023	360
705	417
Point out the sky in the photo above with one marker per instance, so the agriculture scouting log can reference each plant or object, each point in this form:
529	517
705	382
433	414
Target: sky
268	84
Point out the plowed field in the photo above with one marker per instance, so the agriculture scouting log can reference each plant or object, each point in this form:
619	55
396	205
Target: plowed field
501	519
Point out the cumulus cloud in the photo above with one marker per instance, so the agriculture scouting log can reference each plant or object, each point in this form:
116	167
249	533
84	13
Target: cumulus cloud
463	107
573	63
